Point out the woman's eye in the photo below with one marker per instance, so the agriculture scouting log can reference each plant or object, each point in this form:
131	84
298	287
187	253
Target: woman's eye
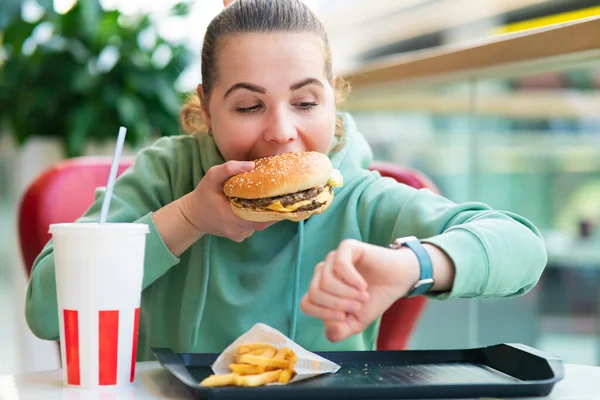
306	105
244	110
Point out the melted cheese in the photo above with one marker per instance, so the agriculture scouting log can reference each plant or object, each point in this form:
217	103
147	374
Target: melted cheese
336	180
277	206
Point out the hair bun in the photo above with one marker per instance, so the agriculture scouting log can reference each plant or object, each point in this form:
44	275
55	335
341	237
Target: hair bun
190	116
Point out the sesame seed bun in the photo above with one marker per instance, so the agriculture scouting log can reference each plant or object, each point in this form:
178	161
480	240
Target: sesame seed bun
281	174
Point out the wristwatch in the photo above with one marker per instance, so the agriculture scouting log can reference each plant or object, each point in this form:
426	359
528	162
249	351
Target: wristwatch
425	281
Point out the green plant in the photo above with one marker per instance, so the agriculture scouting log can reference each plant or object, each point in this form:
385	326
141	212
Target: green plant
80	75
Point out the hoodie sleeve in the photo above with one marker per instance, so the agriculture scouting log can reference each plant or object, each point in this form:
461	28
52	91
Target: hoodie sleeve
143	188
495	253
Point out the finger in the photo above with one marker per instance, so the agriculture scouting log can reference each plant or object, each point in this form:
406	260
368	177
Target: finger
314	284
227	2
337	331
241	236
314	310
326	300
237	230
348	255
331	283
262	226
238	224
220	173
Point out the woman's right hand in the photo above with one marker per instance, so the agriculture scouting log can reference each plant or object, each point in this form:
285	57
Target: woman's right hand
207	208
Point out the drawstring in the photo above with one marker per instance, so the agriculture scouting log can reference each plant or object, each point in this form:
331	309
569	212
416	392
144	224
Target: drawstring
296	291
203	290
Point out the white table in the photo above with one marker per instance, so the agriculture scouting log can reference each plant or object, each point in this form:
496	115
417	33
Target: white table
153	382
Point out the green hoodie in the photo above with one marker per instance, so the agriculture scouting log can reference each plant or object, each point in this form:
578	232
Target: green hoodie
218	288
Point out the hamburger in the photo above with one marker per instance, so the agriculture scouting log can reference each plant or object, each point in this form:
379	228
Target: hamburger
290	186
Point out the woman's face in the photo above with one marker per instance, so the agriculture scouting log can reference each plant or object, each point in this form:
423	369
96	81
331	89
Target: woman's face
271	96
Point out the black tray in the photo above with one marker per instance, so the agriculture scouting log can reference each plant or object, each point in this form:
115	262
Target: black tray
504	370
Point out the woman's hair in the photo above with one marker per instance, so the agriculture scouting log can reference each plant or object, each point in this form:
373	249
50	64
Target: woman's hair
255	16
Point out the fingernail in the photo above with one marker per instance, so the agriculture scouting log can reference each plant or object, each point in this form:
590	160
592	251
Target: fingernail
248	165
363	296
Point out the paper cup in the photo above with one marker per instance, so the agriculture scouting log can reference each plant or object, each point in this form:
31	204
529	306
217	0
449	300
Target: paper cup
99	271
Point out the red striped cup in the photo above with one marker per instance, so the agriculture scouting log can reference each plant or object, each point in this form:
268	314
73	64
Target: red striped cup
99	272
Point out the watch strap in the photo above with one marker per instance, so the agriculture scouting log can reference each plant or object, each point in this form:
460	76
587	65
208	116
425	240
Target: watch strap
425	281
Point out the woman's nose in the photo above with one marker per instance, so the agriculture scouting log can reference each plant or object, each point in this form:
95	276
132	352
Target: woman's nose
280	129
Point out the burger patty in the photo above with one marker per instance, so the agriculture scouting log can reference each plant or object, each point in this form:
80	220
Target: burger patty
312	206
286	200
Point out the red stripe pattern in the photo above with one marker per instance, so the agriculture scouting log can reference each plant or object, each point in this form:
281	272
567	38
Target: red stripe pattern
108	347
71	321
136	330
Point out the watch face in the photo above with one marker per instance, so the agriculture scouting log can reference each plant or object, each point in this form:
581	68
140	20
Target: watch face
399	242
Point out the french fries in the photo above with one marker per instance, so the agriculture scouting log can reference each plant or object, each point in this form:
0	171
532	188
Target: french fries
256	365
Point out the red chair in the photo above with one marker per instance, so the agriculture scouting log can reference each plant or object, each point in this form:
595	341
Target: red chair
60	194
66	190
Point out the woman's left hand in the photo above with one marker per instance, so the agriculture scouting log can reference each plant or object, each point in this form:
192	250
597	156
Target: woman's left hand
356	284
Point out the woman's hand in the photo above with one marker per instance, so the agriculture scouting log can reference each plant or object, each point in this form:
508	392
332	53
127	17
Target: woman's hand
226	2
358	282
207	208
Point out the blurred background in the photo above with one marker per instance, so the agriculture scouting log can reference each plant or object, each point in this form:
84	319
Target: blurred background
496	101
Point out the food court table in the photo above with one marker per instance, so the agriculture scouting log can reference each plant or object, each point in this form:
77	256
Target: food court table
153	382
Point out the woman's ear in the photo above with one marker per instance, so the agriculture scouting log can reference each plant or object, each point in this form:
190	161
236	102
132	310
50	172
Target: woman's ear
203	106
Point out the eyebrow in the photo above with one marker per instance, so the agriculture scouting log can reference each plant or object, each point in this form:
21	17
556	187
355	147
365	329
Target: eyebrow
305	82
247	86
259	89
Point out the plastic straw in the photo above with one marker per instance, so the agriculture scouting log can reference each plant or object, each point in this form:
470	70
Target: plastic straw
113	174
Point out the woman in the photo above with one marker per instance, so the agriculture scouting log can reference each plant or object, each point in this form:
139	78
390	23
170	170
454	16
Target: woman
267	88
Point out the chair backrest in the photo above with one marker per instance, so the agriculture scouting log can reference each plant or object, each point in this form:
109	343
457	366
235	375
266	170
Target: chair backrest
62	193
65	191
400	320
408	176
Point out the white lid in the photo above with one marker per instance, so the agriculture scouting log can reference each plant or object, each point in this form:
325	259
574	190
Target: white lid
87	228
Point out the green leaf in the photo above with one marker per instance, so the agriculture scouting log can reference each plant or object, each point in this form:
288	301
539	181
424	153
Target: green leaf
128	109
108	29
54	92
167	96
9	10
181	9
81	122
15	34
83	81
90	15
48	5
